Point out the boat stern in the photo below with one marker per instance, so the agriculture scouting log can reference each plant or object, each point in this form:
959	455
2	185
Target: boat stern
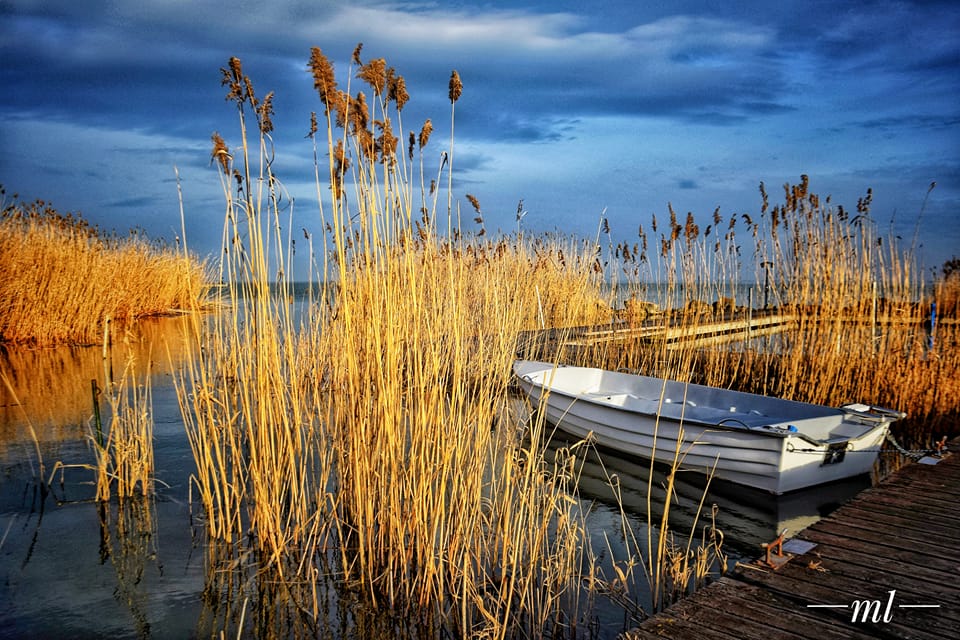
852	452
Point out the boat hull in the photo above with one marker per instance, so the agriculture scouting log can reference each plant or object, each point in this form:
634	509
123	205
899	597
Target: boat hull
766	443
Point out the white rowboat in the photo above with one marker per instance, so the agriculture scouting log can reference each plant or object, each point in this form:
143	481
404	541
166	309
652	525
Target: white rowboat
768	443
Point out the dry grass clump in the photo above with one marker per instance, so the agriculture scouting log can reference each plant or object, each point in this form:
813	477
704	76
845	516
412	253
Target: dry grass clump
947	294
61	278
442	502
124	461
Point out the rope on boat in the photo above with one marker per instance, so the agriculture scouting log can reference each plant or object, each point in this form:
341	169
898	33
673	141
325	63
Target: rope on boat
916	454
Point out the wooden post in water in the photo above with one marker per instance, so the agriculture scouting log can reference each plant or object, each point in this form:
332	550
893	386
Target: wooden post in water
95	392
933	322
766	264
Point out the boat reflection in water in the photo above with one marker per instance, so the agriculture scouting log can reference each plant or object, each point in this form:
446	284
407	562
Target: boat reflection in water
746	516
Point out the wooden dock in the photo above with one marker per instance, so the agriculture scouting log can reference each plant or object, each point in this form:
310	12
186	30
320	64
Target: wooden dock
739	326
675	331
884	565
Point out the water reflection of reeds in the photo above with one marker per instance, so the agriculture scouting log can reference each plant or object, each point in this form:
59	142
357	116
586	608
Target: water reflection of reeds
128	540
51	389
246	596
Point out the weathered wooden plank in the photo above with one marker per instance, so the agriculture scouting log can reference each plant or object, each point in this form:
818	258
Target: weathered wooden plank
676	331
836	565
941	475
926	480
854	581
865	515
926	491
665	625
777	614
882	535
895	544
719	617
906	623
905	508
918	508
932	495
900	561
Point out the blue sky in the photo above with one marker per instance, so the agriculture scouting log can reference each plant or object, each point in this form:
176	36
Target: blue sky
574	107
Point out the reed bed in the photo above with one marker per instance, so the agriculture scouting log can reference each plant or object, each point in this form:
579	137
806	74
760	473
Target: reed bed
62	278
858	302
365	441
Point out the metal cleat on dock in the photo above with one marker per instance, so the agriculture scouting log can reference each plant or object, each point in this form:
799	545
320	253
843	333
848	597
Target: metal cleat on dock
775	559
942	447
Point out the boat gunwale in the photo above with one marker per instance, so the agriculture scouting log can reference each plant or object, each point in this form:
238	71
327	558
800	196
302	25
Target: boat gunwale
765	430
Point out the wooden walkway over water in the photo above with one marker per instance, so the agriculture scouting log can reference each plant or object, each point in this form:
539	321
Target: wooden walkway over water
885	565
679	331
675	331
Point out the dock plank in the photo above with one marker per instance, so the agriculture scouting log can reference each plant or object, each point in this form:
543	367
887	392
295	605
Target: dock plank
865	515
814	588
923	624
896	546
843	572
883	536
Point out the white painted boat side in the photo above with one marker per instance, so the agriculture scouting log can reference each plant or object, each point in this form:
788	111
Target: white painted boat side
768	443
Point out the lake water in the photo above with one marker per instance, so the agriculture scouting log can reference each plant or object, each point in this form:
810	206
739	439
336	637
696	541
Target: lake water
70	567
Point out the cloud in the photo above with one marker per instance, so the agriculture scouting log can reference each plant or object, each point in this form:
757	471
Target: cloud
912	121
127	203
152	60
573	109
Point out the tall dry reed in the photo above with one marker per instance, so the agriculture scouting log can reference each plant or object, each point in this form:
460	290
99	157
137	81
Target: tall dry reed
124	460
